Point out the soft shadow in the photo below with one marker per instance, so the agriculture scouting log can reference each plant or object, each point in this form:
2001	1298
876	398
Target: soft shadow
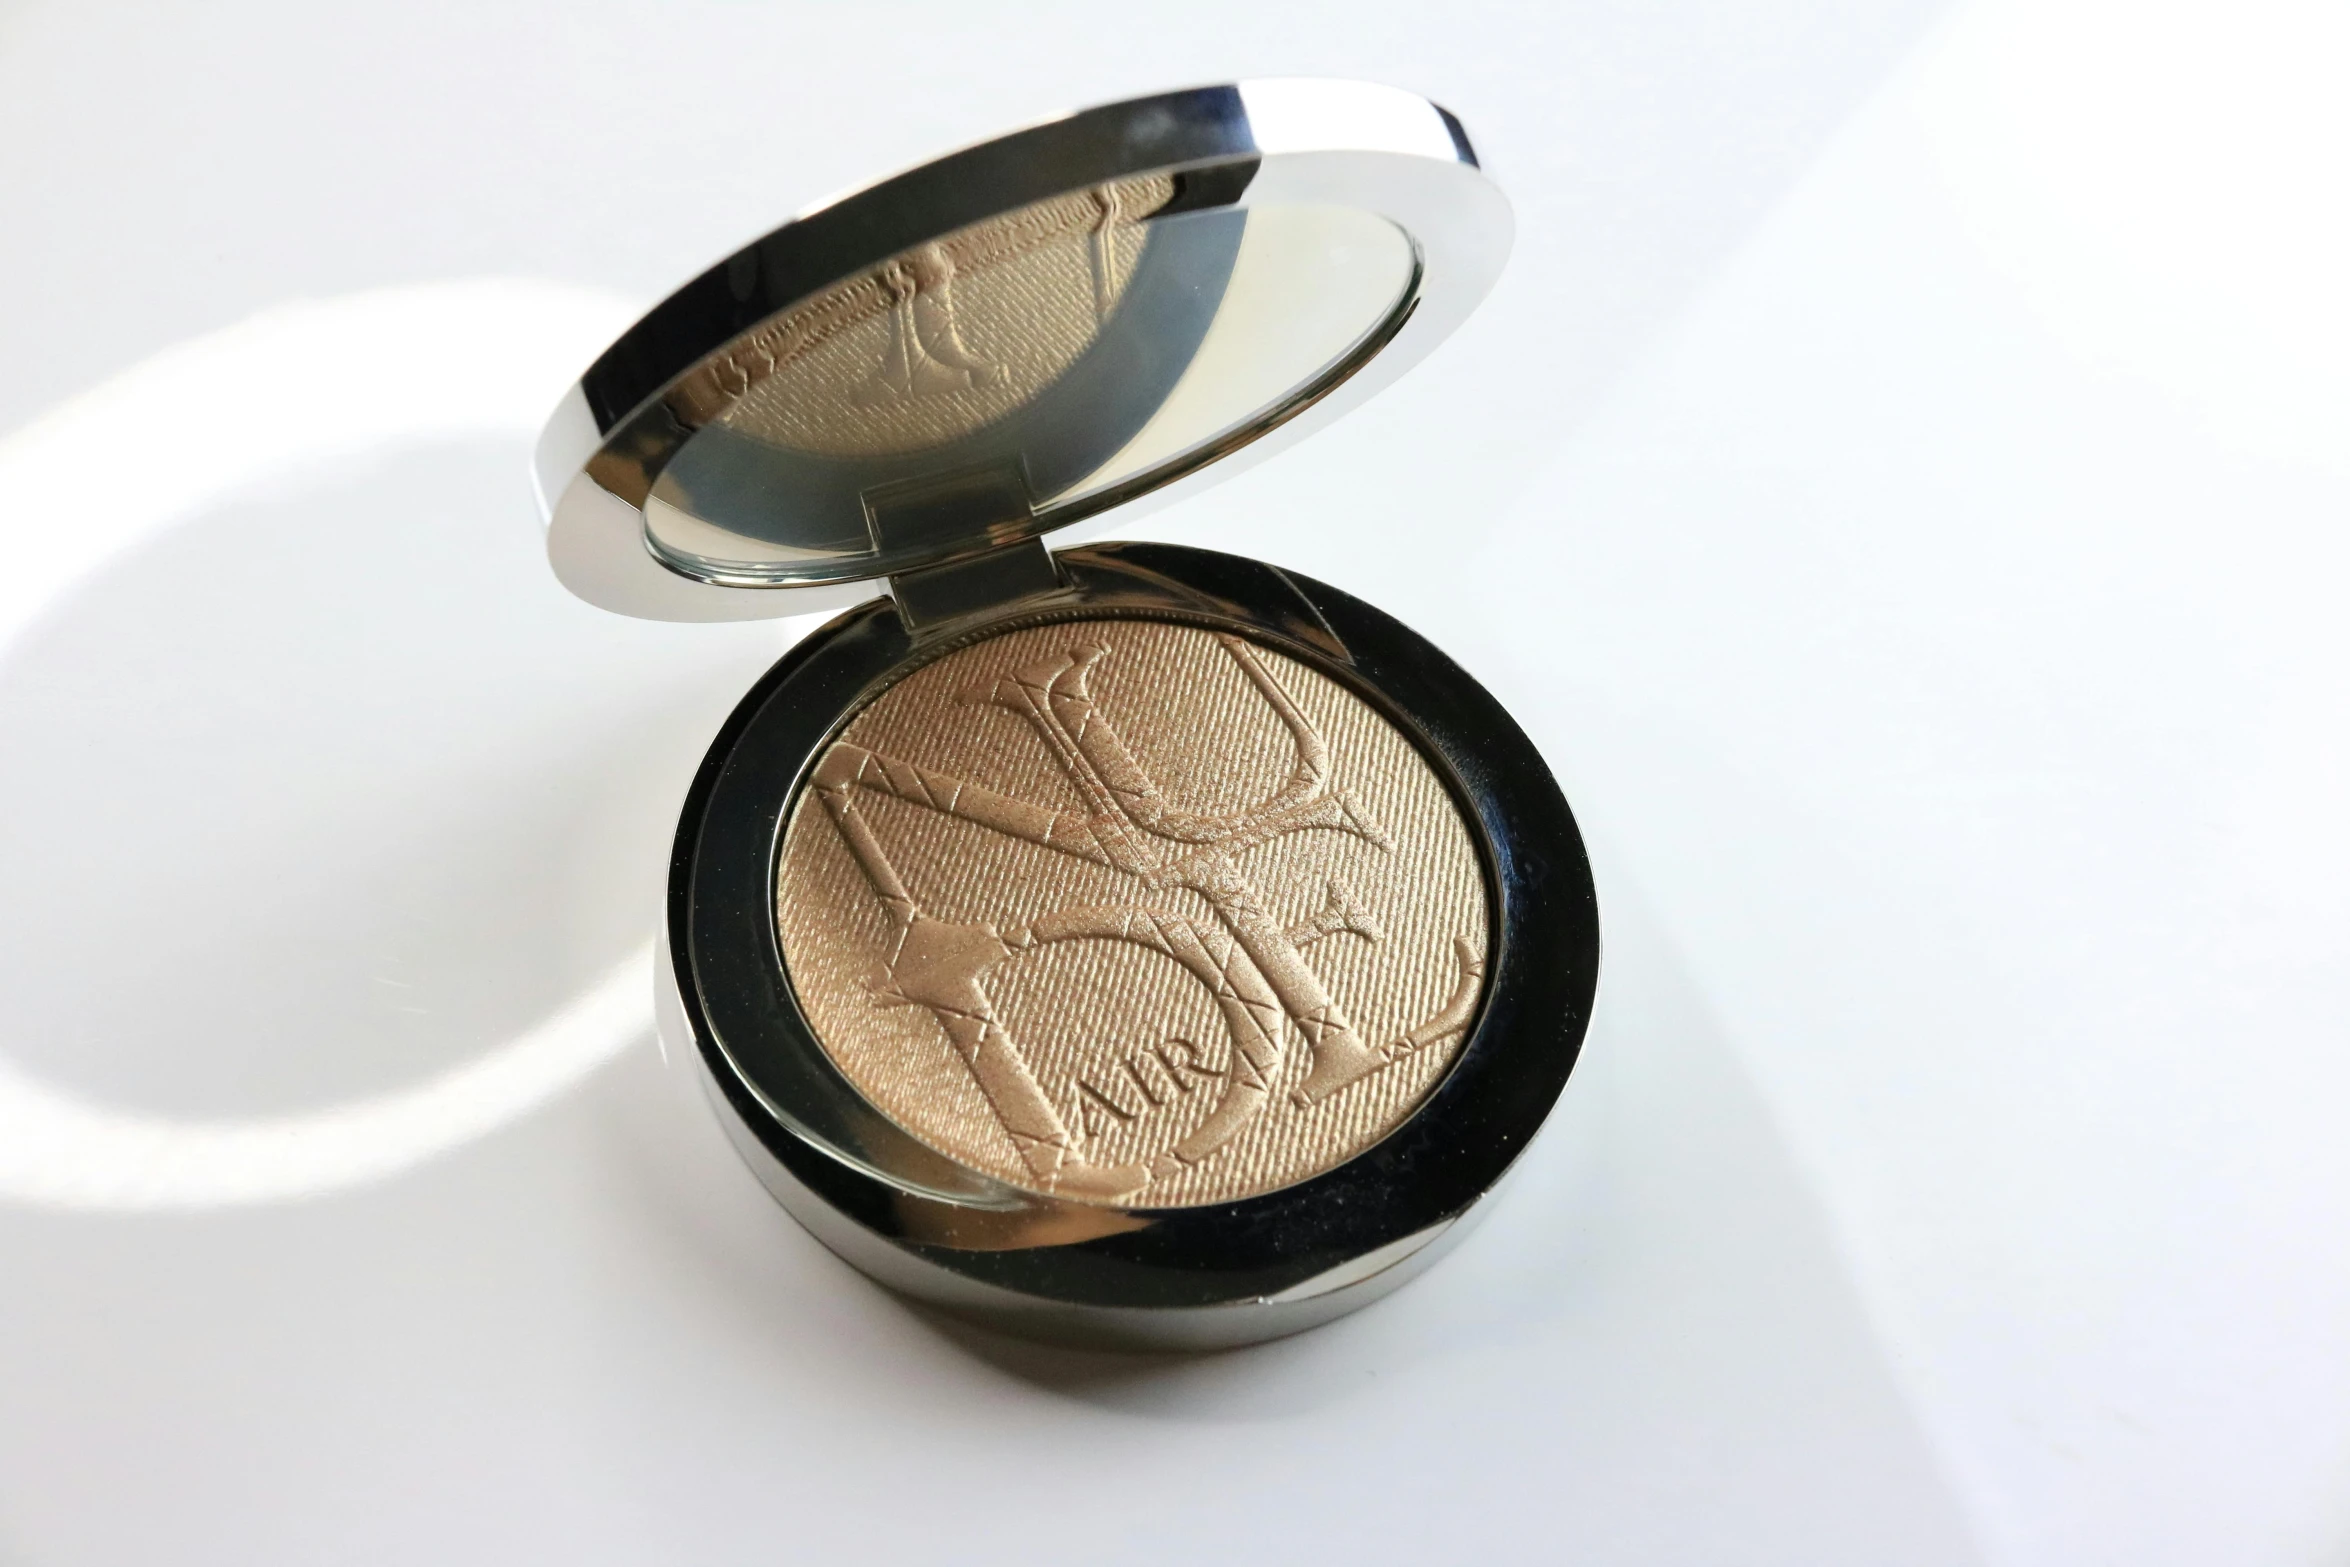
1075	1372
1656	1265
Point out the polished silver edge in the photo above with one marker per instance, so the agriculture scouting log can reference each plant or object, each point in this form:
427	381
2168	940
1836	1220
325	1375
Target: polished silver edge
1344	1289
1356	144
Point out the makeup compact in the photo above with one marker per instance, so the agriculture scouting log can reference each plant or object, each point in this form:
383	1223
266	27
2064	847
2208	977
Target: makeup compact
1118	943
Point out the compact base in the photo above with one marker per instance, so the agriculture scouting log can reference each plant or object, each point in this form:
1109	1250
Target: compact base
1132	1328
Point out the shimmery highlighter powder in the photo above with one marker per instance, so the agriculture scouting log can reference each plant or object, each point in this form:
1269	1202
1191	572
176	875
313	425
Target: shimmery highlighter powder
1114	867
1111	943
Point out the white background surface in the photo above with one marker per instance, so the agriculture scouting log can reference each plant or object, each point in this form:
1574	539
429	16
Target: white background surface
1900	482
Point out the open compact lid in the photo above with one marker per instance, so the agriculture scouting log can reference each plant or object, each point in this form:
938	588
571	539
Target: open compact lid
1099	311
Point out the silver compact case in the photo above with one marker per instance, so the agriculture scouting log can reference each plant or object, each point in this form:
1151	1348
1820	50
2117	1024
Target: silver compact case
1120	943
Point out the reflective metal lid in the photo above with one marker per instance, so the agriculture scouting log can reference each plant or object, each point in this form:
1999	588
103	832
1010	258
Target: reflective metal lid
1013	339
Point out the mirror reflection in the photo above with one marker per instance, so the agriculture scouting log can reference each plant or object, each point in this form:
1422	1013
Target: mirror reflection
1013	376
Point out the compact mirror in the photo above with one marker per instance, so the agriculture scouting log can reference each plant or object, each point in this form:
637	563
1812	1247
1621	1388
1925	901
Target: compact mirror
1014	339
1014	376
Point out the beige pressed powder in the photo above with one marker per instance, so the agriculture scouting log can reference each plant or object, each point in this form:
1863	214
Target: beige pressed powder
1126	908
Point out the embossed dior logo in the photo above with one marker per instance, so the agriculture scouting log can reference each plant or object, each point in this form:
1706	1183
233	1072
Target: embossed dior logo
936	342
926	356
1265	992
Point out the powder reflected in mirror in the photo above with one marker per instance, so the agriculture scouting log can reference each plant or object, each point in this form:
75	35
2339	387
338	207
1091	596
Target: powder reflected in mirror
939	341
1041	358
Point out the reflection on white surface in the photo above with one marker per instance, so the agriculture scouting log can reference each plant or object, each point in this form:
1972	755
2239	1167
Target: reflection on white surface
60	1151
246	406
292	388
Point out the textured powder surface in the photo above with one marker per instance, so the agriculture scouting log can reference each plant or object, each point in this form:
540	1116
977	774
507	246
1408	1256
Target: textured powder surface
1128	910
935	343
